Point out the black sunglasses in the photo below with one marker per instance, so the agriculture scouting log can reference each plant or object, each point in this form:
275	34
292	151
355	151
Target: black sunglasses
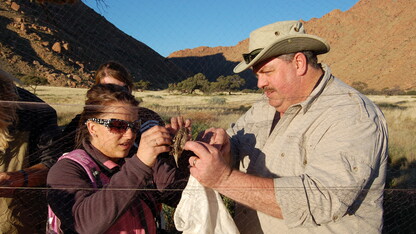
118	126
250	56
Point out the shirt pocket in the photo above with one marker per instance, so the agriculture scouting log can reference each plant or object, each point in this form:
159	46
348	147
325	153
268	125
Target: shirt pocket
286	156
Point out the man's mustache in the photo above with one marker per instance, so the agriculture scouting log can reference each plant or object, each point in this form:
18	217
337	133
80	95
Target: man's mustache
265	89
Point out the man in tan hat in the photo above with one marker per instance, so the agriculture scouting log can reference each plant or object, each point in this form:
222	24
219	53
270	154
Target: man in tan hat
309	158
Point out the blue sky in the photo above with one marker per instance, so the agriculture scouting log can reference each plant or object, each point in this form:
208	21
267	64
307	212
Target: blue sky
170	25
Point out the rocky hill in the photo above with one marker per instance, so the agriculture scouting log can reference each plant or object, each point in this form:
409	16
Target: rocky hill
66	43
373	42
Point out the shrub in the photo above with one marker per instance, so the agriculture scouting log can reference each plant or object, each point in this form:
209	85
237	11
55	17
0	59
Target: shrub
250	90
155	105
217	101
385	105
139	99
243	108
33	81
411	92
141	85
154	96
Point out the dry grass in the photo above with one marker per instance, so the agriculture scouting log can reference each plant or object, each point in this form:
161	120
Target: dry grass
69	101
399	196
164	98
400	111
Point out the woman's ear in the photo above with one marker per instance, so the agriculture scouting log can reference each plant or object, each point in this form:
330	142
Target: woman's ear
91	128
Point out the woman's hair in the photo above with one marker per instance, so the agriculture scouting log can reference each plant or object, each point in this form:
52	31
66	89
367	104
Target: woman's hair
8	106
99	97
115	70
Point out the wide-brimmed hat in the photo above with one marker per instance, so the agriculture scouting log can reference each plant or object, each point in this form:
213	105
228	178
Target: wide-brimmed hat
280	38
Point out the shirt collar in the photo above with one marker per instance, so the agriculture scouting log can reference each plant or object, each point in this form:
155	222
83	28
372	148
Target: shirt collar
100	158
316	92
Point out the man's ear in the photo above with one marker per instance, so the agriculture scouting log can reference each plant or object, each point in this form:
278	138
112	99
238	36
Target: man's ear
301	64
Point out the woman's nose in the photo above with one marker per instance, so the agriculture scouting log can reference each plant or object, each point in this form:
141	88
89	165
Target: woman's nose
129	133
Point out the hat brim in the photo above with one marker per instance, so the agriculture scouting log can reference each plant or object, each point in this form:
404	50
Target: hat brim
286	45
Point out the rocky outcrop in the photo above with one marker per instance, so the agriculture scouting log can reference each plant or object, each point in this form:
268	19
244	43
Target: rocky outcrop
373	42
66	43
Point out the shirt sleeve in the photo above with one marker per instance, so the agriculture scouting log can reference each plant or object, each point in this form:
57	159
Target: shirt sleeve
170	180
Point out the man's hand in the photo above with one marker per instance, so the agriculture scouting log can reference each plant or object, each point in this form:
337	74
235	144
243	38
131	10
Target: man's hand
208	166
210	169
218	138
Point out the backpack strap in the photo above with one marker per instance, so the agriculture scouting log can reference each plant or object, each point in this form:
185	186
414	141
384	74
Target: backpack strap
96	177
91	168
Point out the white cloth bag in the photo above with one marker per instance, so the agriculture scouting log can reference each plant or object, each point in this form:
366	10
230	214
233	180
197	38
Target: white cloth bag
201	210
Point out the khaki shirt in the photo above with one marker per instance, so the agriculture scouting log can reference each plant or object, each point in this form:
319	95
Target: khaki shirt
328	156
26	211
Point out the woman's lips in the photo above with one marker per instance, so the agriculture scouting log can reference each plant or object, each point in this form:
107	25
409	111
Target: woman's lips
126	145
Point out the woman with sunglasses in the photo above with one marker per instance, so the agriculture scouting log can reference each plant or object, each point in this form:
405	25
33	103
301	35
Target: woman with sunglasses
126	200
112	72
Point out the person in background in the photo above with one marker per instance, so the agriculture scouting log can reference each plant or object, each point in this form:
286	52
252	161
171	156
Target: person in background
309	158
28	126
113	72
127	200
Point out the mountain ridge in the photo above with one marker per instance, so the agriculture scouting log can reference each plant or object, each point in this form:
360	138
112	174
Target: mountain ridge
66	43
372	42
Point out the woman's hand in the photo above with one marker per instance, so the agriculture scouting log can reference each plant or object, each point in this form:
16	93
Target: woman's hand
176	123
153	142
158	140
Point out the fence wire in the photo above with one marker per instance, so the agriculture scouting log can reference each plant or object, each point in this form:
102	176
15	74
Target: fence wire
54	42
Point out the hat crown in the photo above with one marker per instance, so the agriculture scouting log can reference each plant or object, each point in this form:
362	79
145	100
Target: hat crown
264	36
280	38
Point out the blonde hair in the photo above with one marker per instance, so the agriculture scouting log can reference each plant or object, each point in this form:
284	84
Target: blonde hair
8	106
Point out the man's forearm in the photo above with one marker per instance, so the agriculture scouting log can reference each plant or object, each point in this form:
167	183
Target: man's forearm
252	191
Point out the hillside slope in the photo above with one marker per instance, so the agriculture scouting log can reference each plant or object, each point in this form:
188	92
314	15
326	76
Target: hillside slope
66	43
373	42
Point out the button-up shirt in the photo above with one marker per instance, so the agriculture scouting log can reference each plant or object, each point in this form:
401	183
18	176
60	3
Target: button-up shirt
328	158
